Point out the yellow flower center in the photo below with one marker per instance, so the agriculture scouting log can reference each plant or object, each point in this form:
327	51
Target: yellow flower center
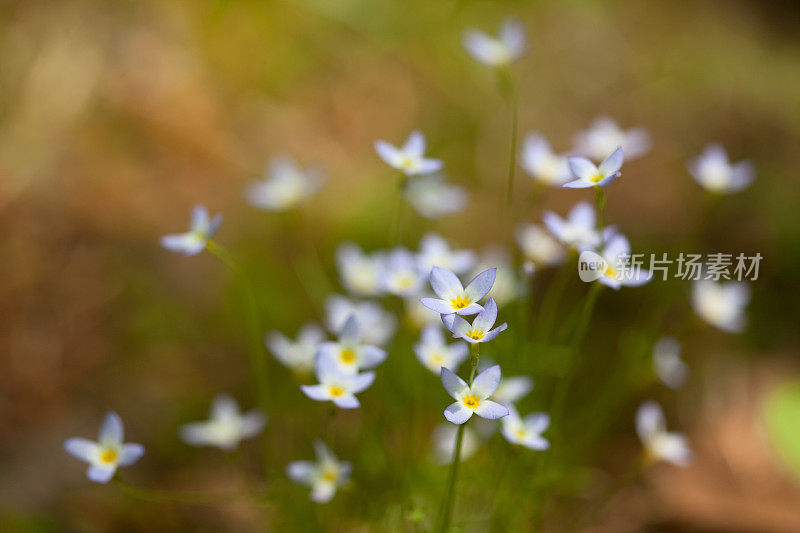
437	359
335	390
597	177
471	401
520	432
475	334
347	356
329	475
459	302
610	271
108	456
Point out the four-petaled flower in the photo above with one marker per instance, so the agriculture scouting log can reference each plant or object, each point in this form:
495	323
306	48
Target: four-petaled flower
512	389
201	229
434	251
108	453
453	296
473	398
402	275
721	304
226	427
614	266
498	51
410	159
376	324
432	197
713	170
604	135
481	328
587	174
578	230
284	186
337	386
539	247
349	352
660	444
358	271
433	352
539	160
298	355
526	431
323	476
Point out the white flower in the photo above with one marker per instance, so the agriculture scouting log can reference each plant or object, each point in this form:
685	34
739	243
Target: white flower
227	426
721	304
432	197
433	352
578	230
323	476
401	274
659	444
713	170
349	352
284	186
667	362
539	247
613	264
410	158
604	135
539	160
513	389
298	355
377	325
201	229
359	272
453	297
498	51
444	443
481	328
419	316
108	453
528	431
434	251
586	174
337	386
508	285
472	398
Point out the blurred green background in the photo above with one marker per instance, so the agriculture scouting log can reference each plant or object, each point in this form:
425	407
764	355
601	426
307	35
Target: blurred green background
117	117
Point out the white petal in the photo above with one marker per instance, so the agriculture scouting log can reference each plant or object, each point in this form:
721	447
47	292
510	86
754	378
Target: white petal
649	420
581	168
486	318
612	163
445	284
481	285
415	144
302	472
457	413
101	473
111	432
82	449
130	454
316	392
454	385
491	410
486	382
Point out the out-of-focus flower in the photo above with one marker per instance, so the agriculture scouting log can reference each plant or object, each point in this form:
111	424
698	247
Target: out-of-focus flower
659	444
444	443
512	389
358	271
713	170
539	160
419	316
108	453
498	51
284	186
401	274
473	398
337	386
410	159
721	304
201	229
323	476
604	135
508	285
528	431
578	230
667	362
539	247
349	352
613	264
227	426
434	251
298	355
377	325
481	328
453	297
586	174
433	352
432	197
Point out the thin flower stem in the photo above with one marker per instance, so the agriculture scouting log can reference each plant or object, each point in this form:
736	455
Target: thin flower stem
395	229
600	201
508	90
450	495
187	497
257	357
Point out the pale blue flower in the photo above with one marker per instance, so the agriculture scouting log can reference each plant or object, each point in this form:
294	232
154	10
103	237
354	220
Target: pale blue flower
613	264
336	385
376	325
433	352
349	352
473	398
359	271
298	355
453	297
538	247
498	51
401	274
432	197
667	362
721	304
108	453
660	444
324	475
481	328
434	251
578	230
410	158
604	135
226	427
586	174
713	170
284	186
526	432
201	229
544	165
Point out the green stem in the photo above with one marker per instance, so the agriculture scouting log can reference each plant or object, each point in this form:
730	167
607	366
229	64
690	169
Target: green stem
395	229
600	201
186	497
507	89
450	495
